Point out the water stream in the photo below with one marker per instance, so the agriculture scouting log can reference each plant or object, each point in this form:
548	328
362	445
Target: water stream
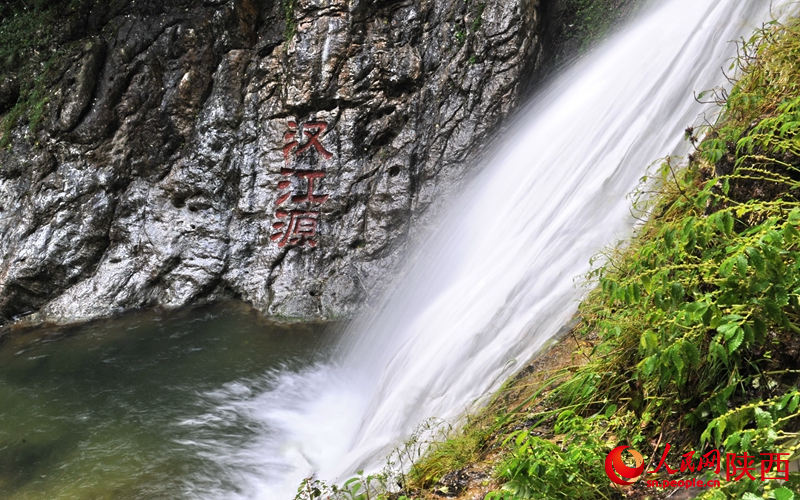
217	403
494	278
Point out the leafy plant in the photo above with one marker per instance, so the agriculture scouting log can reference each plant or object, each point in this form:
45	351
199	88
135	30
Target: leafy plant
360	487
538	467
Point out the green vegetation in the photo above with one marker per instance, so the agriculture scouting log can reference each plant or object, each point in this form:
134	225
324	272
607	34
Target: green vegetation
593	19
692	333
289	7
23	30
478	21
538	467
698	316
461	37
28	49
467	28
586	22
32	100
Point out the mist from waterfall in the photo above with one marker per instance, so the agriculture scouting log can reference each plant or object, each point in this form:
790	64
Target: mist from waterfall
494	277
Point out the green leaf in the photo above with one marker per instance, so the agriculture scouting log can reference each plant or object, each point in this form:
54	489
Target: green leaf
736	341
696	310
692	353
783	493
783	402
677	359
724	222
728	330
669	237
732	441
763	418
760	327
745	441
741	265
650	341
705	437
790	234
772	309
793	403
719	430
781	296
716	220
726	267
649	365
715	350
646	282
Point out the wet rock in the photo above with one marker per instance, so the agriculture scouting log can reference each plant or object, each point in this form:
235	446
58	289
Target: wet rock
452	484
78	84
9	93
165	172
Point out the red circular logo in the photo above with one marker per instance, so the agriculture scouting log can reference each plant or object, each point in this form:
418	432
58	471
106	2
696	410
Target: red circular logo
620	473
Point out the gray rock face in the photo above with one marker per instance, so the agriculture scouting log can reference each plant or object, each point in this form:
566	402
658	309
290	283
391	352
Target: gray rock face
193	152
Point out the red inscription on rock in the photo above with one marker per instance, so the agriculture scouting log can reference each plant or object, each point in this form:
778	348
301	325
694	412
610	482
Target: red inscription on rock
299	227
313	130
298	230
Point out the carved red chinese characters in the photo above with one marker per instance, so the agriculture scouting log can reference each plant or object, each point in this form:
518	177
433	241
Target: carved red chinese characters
298	230
299	226
313	130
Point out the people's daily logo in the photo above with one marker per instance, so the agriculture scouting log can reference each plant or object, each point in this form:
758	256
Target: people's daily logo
620	473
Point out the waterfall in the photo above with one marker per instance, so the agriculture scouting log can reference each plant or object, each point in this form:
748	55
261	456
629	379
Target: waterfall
493	278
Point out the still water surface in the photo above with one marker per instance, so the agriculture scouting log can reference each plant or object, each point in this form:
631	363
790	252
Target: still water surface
121	408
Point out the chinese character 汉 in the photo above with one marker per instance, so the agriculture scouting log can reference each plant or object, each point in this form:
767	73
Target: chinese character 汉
298	230
313	130
781	466
737	466
309	195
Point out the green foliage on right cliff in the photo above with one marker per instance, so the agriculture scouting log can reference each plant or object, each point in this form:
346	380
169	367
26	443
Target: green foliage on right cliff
698	318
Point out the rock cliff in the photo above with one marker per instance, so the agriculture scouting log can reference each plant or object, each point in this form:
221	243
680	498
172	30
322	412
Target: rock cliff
178	151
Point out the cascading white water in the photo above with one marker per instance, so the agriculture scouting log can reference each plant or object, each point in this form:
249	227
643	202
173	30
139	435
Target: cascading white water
494	279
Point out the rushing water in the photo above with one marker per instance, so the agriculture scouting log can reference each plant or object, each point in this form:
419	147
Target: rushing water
220	404
494	279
